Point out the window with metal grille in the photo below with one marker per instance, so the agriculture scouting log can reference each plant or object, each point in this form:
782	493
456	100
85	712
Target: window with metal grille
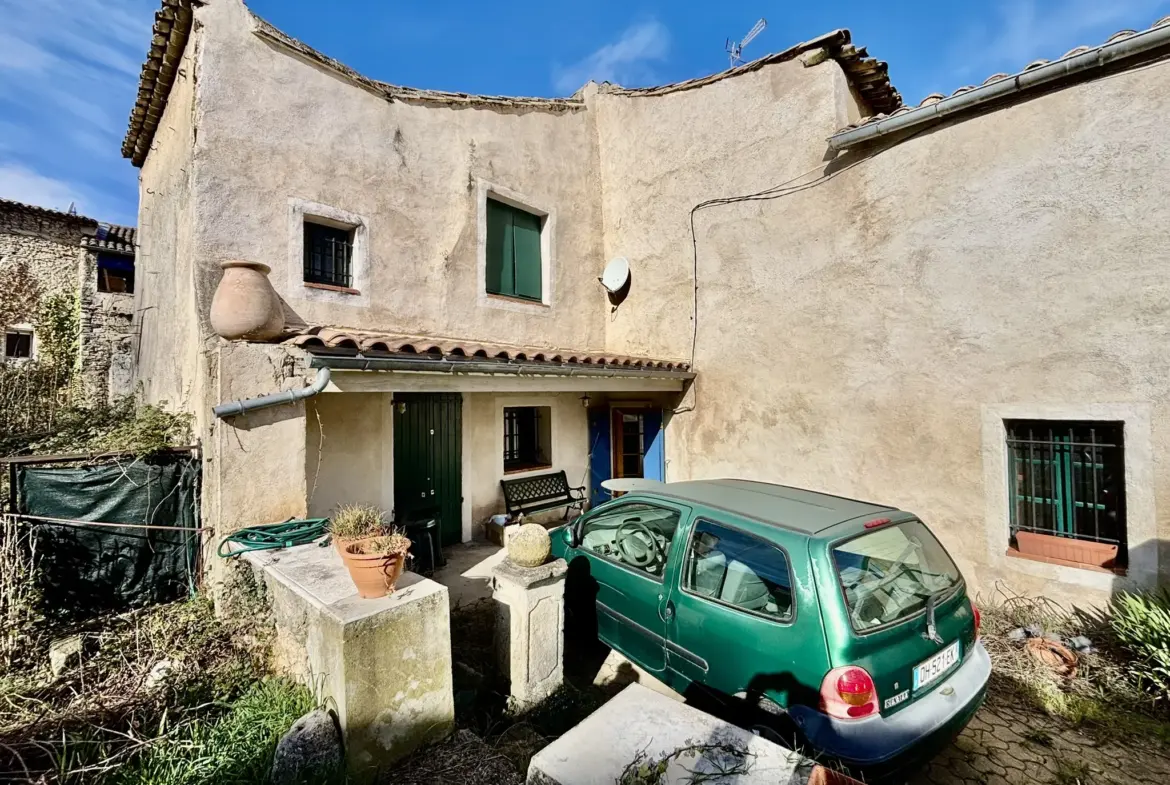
1067	479
18	344
328	255
513	252
527	437
115	273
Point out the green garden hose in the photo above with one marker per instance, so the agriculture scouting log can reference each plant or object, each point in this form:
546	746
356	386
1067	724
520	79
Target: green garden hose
271	536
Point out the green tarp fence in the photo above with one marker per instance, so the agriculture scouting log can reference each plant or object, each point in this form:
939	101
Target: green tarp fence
89	569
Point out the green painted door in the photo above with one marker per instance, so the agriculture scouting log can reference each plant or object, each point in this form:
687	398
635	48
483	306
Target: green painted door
427	460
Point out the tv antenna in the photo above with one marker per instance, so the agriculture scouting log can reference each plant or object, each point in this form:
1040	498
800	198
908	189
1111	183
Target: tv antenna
735	51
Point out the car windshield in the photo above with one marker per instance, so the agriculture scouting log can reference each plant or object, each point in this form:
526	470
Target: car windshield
890	573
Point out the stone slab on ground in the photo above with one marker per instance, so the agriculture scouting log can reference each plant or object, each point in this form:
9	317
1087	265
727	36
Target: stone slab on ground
383	664
642	723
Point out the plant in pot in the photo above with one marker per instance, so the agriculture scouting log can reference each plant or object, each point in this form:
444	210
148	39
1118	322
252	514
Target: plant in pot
354	523
375	564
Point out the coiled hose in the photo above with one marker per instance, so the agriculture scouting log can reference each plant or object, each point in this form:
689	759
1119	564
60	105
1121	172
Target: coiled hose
271	536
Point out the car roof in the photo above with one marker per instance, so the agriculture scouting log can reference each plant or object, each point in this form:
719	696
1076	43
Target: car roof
780	505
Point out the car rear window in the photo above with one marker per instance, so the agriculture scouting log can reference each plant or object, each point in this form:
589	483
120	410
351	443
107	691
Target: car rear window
889	573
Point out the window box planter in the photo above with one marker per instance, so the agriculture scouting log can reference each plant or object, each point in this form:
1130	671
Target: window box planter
1067	549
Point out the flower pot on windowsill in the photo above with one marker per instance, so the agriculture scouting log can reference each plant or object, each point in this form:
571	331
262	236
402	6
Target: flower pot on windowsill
1050	546
376	565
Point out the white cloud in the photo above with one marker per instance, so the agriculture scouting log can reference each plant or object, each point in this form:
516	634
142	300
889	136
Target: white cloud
24	185
625	61
68	79
1025	31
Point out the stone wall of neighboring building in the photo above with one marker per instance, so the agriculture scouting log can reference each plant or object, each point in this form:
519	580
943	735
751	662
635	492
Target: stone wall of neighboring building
44	253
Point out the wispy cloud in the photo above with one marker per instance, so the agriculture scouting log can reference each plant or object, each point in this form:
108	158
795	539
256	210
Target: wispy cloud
1025	30
626	61
68	76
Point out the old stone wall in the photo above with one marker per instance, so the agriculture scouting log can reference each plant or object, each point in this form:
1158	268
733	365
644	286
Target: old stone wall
39	253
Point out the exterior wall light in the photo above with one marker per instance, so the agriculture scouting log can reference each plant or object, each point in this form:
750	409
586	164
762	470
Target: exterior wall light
585	400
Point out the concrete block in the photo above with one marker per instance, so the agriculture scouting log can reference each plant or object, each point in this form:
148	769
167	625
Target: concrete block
642	722
384	665
530	628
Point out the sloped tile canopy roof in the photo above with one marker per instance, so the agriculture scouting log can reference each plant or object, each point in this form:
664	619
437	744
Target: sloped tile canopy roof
934	98
32	209
113	238
172	27
373	344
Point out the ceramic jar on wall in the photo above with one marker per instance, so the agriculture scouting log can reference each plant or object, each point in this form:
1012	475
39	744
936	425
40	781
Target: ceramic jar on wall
245	306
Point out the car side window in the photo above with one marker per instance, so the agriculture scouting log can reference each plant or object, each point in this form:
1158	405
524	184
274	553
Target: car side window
737	569
637	535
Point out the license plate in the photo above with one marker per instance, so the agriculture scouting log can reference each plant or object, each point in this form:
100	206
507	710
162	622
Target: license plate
930	669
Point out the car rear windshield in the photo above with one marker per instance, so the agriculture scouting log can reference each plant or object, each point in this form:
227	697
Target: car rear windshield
890	573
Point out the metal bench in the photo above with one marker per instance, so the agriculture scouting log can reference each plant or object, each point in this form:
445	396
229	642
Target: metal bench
542	492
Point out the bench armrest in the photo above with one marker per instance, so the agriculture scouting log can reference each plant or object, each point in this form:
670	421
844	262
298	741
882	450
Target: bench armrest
578	492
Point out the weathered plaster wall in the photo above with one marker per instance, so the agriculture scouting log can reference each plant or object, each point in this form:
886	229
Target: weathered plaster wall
854	336
483	422
283	130
349	451
168	277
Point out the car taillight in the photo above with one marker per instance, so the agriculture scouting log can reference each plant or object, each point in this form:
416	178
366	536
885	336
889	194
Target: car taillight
848	693
978	619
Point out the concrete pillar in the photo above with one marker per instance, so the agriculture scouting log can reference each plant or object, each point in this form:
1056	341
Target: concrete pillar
383	665
530	628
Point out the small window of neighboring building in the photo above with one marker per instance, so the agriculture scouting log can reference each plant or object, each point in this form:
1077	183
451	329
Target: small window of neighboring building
18	344
328	255
736	569
115	273
513	252
527	437
1066	483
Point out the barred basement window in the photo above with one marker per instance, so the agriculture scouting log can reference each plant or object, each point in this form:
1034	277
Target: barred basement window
527	437
1067	491
328	255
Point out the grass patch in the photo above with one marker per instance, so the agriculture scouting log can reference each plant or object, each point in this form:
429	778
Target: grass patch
1038	736
1071	772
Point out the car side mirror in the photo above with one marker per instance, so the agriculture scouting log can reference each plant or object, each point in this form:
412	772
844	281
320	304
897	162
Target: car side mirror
569	535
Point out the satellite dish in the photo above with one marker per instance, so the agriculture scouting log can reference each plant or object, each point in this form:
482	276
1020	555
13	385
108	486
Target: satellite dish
616	275
627	484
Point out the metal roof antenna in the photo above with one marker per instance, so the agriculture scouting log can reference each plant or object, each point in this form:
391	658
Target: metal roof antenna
735	51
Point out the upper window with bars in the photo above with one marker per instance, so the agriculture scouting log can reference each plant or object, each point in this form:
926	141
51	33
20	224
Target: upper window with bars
328	256
1067	491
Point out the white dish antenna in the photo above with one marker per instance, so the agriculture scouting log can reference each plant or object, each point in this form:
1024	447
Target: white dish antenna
627	484
616	274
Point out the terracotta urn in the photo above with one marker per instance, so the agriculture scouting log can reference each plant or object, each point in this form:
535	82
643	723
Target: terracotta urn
245	306
373	574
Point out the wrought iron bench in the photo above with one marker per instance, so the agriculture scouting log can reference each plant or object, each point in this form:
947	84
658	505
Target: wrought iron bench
542	492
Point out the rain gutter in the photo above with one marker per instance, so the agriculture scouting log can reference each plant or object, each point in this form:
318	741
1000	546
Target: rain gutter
1106	54
510	367
275	399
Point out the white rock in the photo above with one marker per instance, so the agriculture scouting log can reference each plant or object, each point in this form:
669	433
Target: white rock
529	545
63	652
161	671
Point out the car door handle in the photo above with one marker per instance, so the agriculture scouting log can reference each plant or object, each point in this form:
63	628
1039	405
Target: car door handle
668	612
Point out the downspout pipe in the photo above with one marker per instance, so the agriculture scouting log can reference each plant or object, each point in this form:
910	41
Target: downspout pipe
233	408
1134	45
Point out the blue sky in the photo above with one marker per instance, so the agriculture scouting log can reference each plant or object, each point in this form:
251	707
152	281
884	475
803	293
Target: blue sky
69	68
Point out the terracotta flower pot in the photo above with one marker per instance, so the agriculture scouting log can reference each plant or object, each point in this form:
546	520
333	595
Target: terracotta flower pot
1067	549
245	306
374	574
342	543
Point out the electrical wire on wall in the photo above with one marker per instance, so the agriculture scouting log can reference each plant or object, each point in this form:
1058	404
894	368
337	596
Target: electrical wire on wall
786	188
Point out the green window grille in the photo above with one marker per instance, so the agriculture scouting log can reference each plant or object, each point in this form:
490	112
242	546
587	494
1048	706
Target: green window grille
1067	479
513	252
328	255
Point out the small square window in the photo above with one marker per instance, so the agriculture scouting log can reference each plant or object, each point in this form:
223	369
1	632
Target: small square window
115	273
1066	490
527	438
18	344
513	252
328	255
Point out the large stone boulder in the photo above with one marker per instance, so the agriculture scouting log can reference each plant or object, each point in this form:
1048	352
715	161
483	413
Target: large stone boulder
311	747
529	545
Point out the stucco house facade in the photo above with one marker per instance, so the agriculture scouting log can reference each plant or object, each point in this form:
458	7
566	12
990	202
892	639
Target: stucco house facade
934	306
46	252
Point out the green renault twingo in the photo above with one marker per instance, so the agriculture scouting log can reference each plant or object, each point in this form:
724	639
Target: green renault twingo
845	621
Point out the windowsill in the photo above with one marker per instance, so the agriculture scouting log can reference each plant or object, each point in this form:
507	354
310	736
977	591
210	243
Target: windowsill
328	287
508	298
522	469
1015	554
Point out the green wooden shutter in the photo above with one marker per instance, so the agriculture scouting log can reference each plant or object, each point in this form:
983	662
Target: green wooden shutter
526	234
500	266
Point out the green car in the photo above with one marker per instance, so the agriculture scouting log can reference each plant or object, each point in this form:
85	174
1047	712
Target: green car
844	622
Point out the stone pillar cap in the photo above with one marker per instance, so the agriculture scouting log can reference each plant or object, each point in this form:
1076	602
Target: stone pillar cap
528	577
